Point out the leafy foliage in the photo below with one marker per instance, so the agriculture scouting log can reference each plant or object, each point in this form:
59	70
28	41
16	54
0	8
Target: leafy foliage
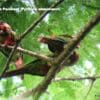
71	17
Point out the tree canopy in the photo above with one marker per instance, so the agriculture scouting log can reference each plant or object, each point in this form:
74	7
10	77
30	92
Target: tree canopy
68	18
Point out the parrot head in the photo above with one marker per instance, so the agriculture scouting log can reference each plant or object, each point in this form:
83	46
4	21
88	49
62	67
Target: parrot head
43	39
6	34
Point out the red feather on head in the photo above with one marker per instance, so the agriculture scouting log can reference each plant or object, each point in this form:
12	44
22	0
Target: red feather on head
7	37
6	34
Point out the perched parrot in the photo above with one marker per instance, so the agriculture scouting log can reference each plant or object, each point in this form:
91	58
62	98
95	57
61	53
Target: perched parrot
55	43
40	67
36	67
7	37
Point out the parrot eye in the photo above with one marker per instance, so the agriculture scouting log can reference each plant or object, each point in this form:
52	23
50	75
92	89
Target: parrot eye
3	34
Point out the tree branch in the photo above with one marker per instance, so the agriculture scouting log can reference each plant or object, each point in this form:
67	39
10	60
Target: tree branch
76	78
27	31
39	19
29	92
65	54
28	52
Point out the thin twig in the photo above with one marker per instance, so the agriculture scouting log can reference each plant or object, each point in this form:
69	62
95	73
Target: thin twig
9	60
76	78
90	88
31	53
91	78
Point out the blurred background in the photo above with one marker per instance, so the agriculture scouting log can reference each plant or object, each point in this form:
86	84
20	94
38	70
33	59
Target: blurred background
68	18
